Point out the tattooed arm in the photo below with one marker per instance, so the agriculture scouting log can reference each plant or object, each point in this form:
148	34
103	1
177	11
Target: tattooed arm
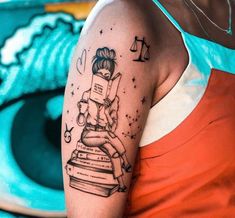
114	65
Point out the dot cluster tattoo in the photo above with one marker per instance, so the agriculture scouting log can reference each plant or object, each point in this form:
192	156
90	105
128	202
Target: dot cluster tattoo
134	128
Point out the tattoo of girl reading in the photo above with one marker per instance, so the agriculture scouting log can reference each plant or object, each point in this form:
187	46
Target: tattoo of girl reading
98	163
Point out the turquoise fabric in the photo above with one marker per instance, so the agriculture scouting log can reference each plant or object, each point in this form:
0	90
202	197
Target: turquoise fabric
203	53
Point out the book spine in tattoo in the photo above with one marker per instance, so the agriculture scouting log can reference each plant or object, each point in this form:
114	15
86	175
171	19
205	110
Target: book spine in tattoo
90	170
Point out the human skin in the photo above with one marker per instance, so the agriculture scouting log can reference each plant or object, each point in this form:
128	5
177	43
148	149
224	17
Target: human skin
114	24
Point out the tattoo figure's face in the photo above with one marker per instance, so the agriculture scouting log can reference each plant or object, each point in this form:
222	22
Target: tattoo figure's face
104	74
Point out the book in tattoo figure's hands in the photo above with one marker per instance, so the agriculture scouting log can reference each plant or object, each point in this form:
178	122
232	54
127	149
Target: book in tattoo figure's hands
98	164
102	89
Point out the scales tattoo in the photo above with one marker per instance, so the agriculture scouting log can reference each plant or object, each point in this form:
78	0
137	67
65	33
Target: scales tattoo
144	54
98	163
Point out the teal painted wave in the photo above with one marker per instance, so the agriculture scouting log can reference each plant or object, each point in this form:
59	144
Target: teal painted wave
37	57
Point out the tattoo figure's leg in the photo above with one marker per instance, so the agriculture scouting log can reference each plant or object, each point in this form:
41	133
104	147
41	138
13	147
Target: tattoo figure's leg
117	144
99	139
93	138
117	166
116	161
116	150
96	139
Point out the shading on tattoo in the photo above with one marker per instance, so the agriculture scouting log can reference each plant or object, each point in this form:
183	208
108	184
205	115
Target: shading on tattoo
98	163
81	62
133	125
144	54
67	133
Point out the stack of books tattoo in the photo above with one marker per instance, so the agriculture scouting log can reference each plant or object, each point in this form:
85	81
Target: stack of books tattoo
90	170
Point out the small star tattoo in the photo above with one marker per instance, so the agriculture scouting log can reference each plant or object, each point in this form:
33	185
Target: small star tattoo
143	100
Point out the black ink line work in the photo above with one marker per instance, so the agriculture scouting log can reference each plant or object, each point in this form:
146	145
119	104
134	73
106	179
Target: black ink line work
68	134
98	163
133	124
144	54
81	62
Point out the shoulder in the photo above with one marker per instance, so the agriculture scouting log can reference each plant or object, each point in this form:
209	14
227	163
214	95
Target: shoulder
117	24
129	15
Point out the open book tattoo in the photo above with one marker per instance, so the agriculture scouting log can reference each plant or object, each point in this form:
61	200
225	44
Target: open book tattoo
98	163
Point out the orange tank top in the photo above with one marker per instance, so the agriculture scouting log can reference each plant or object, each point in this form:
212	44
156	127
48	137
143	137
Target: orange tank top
186	164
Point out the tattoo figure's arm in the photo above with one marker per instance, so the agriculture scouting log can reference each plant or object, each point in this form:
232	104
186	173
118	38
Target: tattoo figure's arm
103	149
112	115
83	108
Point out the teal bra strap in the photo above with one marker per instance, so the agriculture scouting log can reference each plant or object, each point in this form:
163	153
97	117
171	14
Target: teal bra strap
169	16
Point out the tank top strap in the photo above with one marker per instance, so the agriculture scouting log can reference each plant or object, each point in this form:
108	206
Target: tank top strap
169	16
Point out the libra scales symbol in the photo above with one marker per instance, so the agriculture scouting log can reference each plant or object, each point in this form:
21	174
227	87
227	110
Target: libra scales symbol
143	52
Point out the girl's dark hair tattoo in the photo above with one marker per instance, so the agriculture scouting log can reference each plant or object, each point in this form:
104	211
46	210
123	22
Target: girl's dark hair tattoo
105	58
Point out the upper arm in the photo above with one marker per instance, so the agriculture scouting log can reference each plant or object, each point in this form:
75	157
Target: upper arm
105	43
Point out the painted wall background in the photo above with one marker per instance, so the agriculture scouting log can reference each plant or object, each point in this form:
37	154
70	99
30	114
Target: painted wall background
37	40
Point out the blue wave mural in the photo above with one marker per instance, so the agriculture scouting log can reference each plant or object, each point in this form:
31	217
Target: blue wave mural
34	64
37	59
